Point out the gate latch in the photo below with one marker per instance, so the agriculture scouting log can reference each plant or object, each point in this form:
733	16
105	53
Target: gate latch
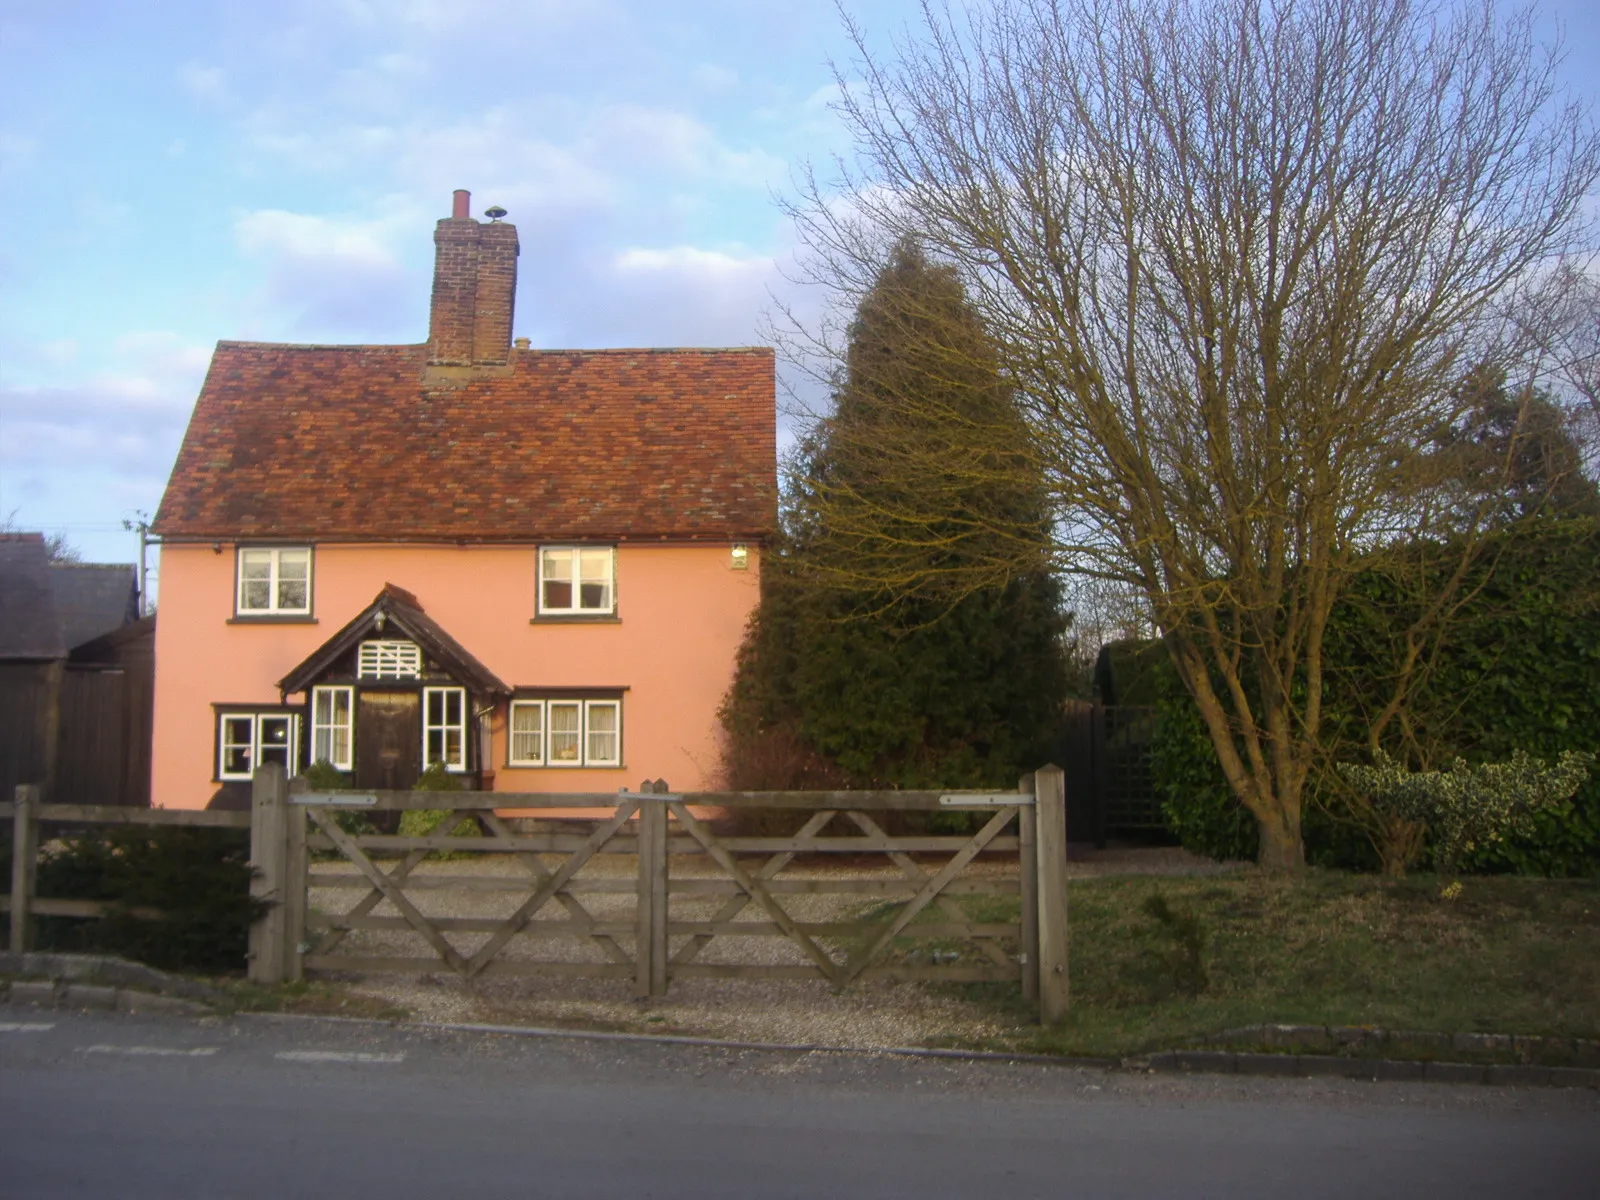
342	799
984	799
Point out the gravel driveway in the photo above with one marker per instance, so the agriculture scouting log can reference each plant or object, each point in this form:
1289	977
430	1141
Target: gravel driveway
875	1013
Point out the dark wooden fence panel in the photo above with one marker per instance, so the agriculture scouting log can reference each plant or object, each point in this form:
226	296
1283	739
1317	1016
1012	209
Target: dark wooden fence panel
1106	757
94	738
24	710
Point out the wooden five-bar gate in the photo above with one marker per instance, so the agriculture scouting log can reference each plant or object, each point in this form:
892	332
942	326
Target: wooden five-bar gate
656	888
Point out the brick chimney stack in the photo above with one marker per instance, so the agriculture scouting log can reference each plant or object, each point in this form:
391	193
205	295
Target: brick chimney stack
474	290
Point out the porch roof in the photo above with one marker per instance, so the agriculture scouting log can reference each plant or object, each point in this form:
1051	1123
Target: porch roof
402	613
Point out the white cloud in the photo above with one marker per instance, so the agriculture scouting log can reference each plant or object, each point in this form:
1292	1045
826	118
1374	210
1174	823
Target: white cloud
331	278
203	83
674	296
124	421
691	260
714	78
59	352
275	233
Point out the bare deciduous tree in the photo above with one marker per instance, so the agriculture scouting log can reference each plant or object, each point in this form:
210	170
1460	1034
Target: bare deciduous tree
1234	255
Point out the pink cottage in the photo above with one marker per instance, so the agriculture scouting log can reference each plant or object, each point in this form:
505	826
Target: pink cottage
531	566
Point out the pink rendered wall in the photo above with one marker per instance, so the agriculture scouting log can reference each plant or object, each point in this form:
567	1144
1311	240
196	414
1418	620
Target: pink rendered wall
682	613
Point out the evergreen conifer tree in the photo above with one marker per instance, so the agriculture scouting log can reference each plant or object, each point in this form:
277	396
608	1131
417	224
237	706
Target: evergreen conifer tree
845	682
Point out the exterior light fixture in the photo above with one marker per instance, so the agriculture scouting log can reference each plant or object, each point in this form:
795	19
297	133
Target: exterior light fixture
739	560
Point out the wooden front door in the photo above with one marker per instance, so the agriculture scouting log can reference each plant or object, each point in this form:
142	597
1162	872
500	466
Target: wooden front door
388	740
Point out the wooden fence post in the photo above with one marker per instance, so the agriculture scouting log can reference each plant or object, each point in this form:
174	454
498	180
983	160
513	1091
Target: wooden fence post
1028	875
24	866
296	872
650	954
1050	856
269	797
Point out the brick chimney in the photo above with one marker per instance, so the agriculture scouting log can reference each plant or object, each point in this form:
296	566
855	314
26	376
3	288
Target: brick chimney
474	290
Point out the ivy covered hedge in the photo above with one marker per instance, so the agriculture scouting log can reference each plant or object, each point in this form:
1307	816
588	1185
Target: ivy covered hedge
1519	670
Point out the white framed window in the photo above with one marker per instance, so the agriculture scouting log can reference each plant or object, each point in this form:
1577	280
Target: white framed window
444	727
274	581
602	731
527	733
389	660
333	726
577	581
246	740
565	733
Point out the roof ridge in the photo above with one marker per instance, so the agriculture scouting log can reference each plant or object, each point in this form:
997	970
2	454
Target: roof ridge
231	343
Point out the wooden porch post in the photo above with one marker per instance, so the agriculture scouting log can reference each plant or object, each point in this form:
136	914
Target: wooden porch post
1050	856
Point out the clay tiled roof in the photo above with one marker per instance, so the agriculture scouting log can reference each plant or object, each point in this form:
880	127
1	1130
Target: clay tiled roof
355	443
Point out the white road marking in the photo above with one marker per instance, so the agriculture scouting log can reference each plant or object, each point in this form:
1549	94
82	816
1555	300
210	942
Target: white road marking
153	1051
339	1056
26	1026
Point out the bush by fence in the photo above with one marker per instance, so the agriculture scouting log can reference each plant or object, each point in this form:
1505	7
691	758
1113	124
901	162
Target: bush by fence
197	879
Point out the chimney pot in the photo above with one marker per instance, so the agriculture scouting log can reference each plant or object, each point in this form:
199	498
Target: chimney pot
461	209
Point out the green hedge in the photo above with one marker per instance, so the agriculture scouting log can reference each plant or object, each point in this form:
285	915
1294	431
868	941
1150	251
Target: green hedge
199	878
1520	670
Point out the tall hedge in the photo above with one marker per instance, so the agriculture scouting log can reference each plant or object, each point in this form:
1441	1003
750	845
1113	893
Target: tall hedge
1518	669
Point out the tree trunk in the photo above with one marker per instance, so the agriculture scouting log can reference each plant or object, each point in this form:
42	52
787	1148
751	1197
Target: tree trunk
1281	846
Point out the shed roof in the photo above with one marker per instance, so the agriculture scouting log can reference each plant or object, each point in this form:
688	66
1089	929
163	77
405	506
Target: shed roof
28	625
366	443
94	598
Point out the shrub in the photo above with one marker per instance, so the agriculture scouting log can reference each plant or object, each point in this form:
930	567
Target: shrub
323	776
198	878
423	822
1469	809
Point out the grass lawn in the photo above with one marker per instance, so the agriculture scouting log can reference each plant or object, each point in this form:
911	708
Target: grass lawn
1508	955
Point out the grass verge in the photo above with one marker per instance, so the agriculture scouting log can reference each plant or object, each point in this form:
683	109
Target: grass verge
306	997
1507	955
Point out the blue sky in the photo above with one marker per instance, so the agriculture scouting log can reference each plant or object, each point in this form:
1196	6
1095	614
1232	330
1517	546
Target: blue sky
180	172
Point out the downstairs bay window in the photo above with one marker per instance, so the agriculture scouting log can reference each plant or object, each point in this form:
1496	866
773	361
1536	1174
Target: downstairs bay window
561	731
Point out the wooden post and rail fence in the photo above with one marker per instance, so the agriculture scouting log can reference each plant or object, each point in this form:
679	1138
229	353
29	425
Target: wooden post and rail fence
840	898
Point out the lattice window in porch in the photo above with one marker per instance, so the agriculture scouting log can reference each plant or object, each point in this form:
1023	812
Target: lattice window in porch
389	660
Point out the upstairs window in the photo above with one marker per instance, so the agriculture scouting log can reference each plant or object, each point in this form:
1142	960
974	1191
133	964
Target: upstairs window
577	581
274	581
389	660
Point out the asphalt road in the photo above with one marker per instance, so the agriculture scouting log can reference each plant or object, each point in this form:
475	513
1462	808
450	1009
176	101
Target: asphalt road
118	1106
